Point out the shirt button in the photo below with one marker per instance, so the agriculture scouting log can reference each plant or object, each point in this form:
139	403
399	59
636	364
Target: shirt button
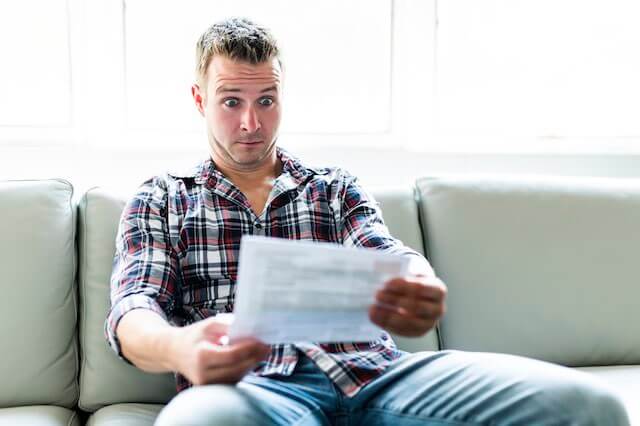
258	225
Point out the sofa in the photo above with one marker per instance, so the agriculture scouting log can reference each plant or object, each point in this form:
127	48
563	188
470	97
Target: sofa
543	267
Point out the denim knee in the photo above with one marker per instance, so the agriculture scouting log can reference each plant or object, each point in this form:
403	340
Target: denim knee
608	409
209	405
583	403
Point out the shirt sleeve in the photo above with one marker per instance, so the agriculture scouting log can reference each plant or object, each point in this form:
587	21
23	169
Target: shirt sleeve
362	225
144	265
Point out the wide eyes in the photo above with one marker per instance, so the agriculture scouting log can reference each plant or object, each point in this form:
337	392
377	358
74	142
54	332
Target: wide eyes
231	102
234	102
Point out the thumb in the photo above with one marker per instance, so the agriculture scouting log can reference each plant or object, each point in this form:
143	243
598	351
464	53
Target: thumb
212	326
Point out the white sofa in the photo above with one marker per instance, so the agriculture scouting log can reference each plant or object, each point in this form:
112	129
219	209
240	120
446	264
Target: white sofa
543	267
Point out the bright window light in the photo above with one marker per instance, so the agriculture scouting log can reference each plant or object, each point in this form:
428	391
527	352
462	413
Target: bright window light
546	75
337	58
448	76
34	76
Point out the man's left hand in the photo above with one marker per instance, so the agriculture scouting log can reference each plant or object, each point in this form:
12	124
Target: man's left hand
409	306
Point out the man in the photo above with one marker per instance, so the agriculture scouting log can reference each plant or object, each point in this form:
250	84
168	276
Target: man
176	267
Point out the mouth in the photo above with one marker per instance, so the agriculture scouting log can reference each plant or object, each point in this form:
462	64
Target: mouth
249	143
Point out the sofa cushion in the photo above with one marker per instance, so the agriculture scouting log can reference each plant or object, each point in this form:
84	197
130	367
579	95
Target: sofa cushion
38	304
541	267
39	415
125	415
105	379
623	380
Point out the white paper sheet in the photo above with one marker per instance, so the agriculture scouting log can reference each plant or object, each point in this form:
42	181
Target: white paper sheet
292	291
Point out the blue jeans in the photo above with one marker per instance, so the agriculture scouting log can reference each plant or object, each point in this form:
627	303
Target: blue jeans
428	388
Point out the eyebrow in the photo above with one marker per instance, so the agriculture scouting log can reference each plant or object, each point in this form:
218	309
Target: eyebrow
231	89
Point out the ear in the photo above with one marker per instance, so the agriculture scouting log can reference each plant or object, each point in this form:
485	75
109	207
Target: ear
198	98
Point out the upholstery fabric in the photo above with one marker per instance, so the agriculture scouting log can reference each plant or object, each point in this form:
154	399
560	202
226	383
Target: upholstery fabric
38	304
541	267
126	415
105	379
39	415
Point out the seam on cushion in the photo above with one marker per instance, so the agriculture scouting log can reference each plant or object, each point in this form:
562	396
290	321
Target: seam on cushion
74	297
73	416
61	180
74	290
82	285
417	196
81	289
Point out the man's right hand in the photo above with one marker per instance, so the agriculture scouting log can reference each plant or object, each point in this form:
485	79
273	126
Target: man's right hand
196	352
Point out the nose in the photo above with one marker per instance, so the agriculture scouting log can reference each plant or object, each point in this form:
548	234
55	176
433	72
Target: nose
250	122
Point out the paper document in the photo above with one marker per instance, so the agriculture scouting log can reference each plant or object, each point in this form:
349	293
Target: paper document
292	291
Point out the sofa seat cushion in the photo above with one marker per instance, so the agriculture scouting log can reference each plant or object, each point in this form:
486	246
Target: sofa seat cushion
39	415
625	381
126	414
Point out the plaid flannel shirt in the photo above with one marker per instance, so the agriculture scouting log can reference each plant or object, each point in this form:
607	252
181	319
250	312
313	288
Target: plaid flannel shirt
178	243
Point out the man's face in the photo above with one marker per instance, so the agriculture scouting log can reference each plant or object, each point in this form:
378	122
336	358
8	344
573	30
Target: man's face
241	106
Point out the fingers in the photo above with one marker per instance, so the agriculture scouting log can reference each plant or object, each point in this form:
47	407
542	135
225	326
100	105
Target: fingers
412	306
213	355
223	374
421	297
230	373
227	364
409	306
431	288
399	323
213	327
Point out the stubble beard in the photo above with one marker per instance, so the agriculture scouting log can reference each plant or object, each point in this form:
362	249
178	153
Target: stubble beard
225	154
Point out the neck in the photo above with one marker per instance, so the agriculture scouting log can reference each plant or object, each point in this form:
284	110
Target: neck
250	176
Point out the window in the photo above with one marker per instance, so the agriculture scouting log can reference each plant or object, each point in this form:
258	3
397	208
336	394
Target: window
35	76
546	76
460	76
336	53
338	70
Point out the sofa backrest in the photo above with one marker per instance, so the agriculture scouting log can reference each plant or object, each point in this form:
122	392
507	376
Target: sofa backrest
38	303
104	379
541	267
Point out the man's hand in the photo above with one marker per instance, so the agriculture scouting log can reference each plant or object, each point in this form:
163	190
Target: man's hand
409	306
198	354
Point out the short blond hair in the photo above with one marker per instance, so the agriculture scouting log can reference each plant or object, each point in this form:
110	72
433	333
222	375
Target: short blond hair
235	38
